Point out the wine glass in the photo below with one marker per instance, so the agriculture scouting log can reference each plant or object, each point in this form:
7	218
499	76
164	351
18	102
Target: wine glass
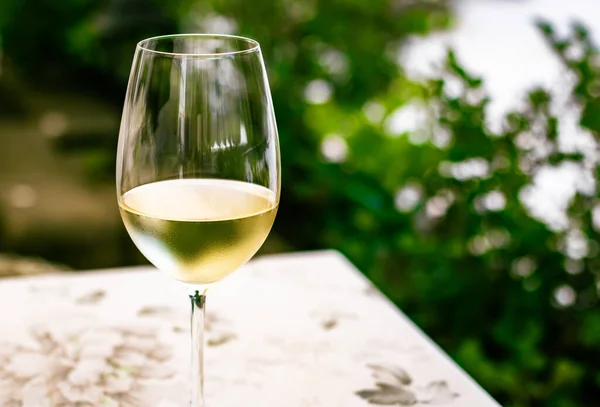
198	167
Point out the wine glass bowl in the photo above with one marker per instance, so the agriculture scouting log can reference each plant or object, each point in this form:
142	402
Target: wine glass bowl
198	165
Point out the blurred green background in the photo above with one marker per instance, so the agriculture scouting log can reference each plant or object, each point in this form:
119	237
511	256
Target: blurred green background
441	214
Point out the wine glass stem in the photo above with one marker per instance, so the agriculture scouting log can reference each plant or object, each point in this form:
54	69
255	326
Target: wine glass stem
198	300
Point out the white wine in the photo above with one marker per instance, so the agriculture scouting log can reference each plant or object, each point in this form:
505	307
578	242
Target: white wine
198	230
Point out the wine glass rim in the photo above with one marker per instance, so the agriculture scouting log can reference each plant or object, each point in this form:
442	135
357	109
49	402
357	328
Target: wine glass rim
253	45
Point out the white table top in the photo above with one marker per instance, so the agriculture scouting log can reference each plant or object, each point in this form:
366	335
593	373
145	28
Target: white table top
299	330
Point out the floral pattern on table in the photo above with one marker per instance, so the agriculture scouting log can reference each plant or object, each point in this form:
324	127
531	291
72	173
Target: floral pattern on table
108	366
394	386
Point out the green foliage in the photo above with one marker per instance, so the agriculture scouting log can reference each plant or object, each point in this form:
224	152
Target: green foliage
432	212
495	271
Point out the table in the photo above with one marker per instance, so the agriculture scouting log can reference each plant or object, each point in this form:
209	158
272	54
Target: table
293	330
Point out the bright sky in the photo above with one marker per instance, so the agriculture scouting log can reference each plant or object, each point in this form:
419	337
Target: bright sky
497	39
